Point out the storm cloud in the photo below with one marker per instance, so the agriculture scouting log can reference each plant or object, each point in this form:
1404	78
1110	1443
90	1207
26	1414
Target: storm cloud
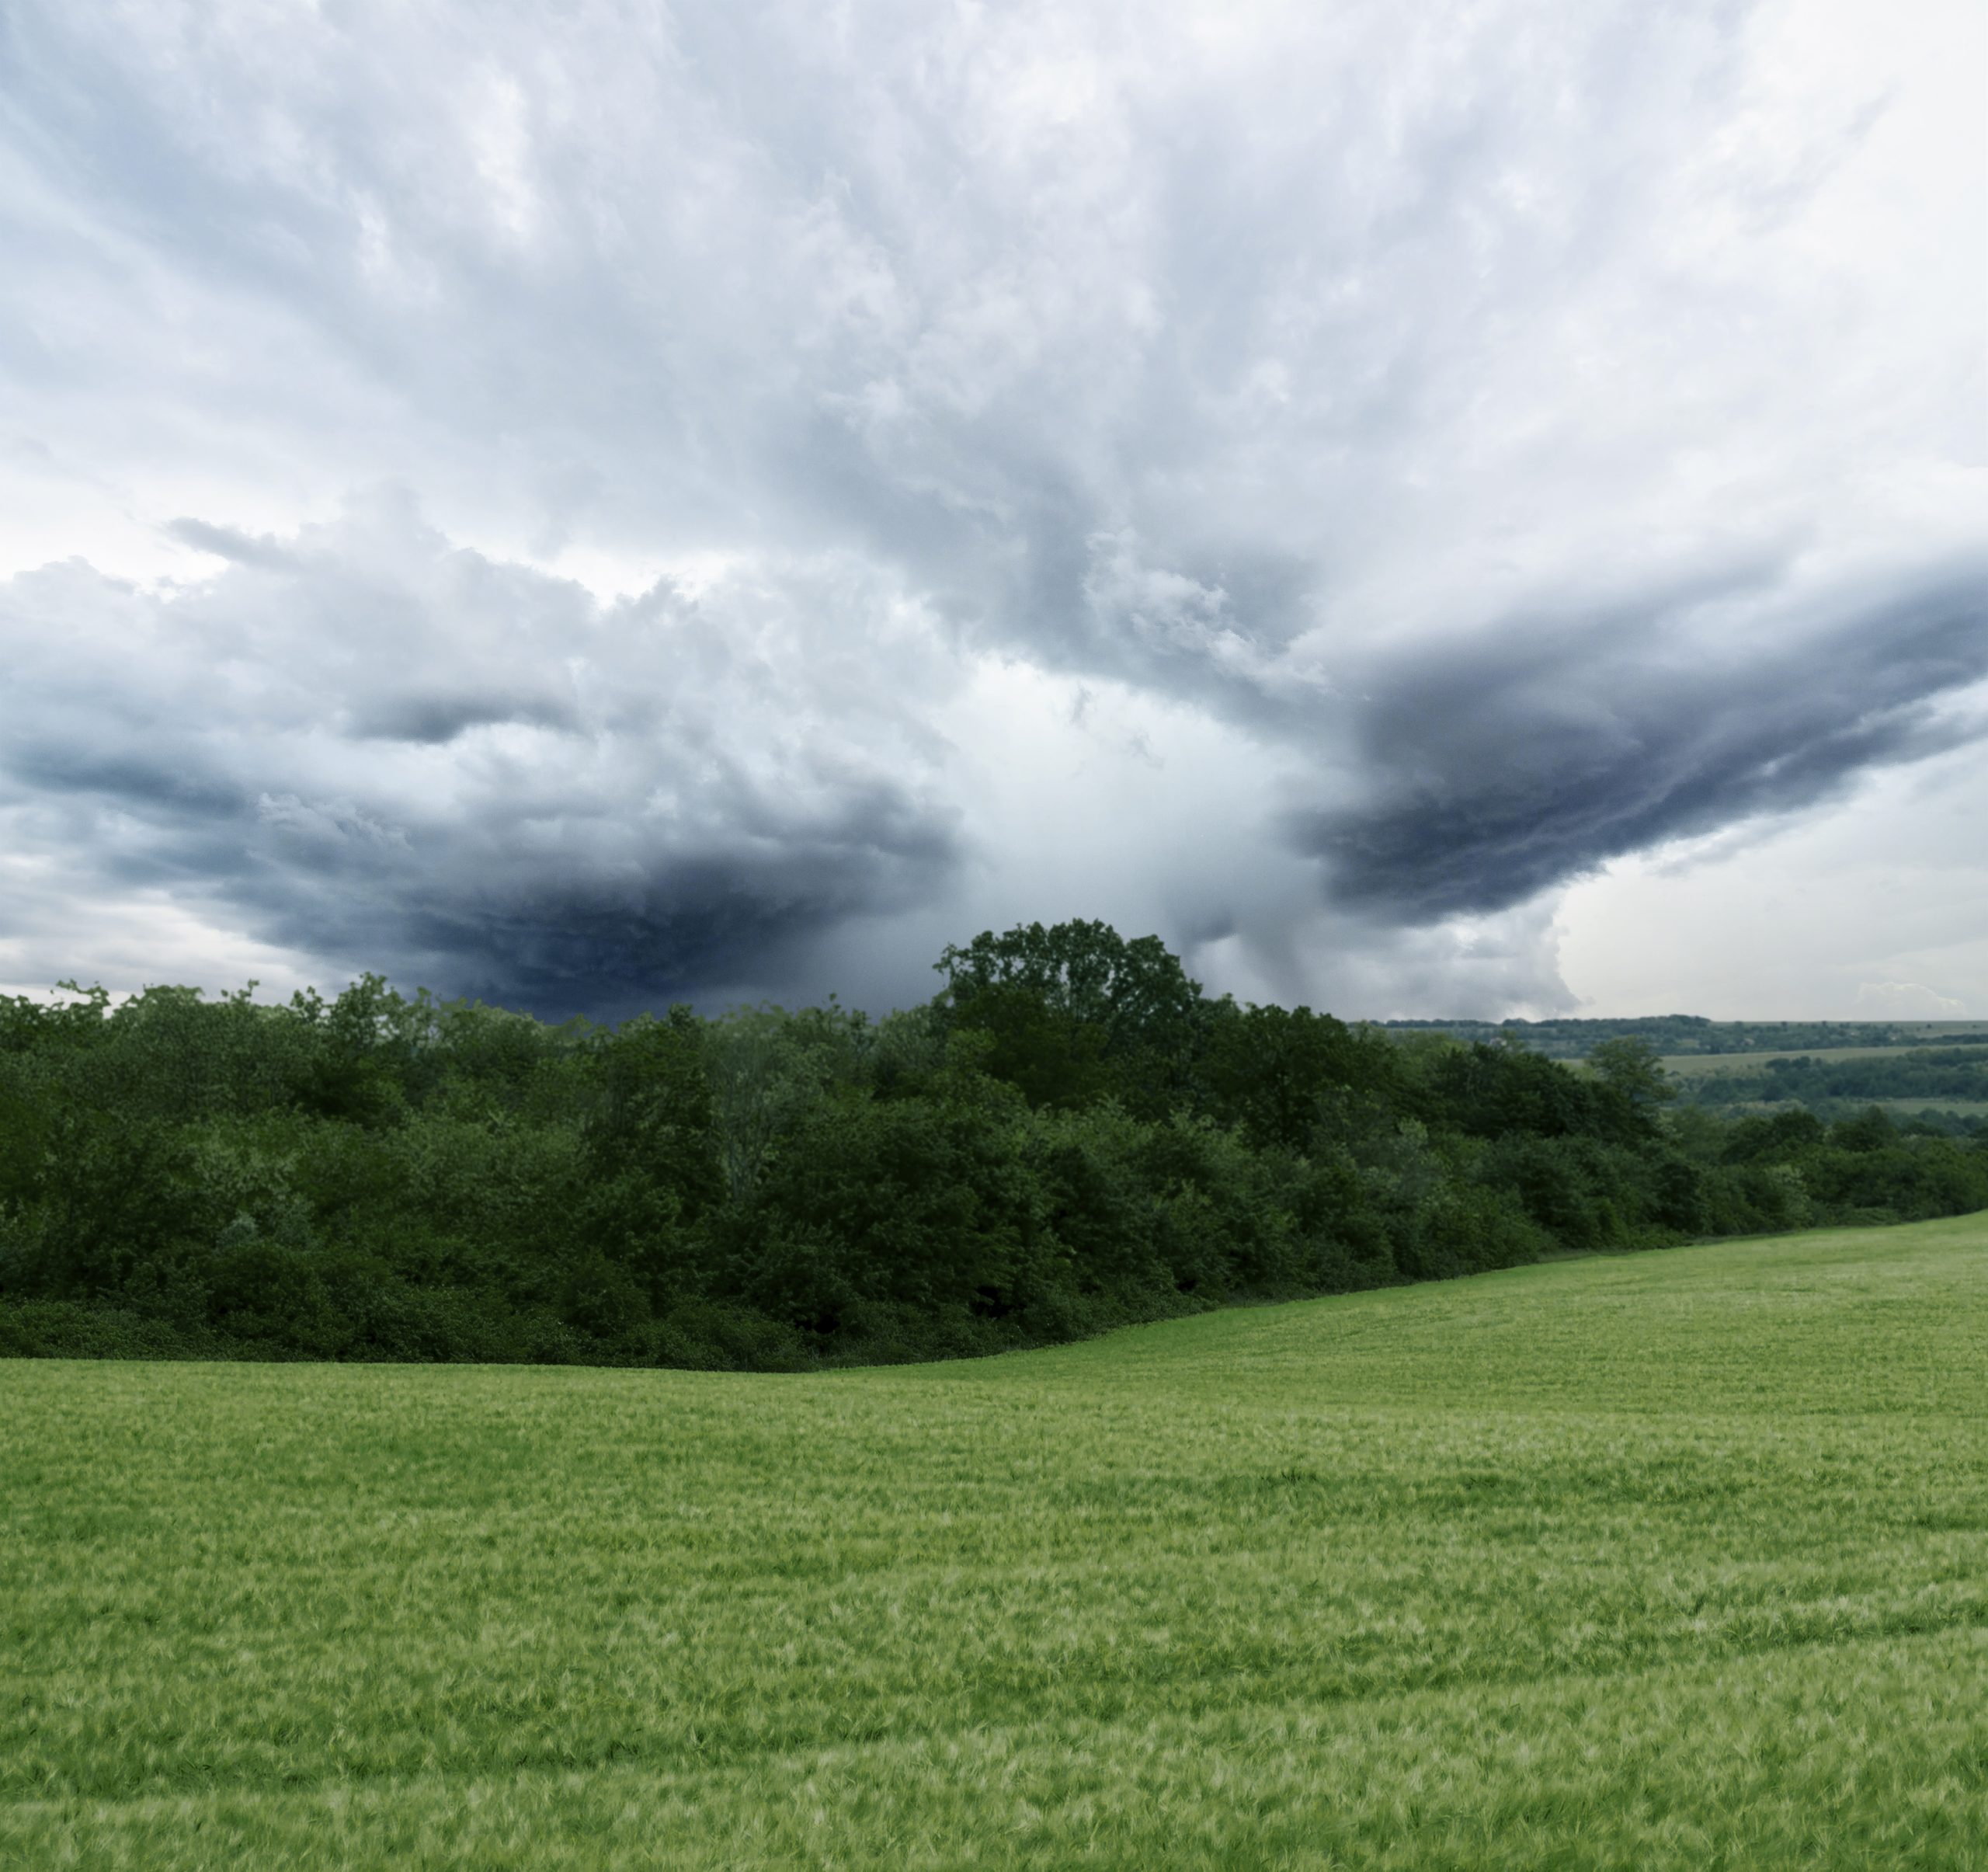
363	742
591	506
1539	750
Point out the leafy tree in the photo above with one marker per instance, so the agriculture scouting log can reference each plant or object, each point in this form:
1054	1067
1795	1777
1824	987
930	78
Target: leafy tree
768	1069
1630	1065
1077	1013
1776	1137
1280	1072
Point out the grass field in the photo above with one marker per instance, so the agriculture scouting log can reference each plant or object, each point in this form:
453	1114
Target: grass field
1716	1066
1677	1561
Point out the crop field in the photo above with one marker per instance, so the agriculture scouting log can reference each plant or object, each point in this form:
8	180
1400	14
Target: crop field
1673	1561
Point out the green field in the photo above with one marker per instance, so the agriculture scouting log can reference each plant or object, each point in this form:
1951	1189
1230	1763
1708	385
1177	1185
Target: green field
1714	1066
1673	1561
1701	1070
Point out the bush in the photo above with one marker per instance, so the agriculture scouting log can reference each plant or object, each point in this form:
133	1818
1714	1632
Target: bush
69	1329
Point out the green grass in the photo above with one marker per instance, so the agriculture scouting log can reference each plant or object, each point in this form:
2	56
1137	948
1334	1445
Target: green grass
1675	1560
1720	1066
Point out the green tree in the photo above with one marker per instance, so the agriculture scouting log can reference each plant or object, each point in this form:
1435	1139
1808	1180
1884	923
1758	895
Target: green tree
1633	1067
1277	1072
1077	1013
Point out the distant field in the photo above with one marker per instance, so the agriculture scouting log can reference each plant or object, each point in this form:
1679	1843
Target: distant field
1705	1071
1705	1066
1675	1560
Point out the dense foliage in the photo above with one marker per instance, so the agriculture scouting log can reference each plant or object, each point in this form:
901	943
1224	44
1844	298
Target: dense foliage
1069	1136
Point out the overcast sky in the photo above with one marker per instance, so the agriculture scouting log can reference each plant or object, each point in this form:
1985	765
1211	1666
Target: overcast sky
1454	509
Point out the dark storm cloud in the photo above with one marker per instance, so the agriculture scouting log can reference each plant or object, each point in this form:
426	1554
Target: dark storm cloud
1496	769
562	935
663	795
607	947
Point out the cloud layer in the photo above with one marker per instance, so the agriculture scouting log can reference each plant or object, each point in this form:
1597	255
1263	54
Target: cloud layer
364	743
1531	756
538	502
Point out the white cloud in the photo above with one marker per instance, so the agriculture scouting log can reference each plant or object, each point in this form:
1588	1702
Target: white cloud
1907	1001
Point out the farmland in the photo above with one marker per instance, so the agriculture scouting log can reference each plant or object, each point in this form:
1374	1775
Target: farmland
1712	1066
1672	1559
1908	1081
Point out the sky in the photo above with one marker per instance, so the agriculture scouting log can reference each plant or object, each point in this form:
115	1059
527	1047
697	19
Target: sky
1459	510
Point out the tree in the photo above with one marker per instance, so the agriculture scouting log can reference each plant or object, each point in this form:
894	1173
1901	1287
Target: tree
1077	1013
1633	1067
1277	1071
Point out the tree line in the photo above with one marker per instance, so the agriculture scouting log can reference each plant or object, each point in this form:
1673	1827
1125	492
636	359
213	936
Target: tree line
1070	1136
